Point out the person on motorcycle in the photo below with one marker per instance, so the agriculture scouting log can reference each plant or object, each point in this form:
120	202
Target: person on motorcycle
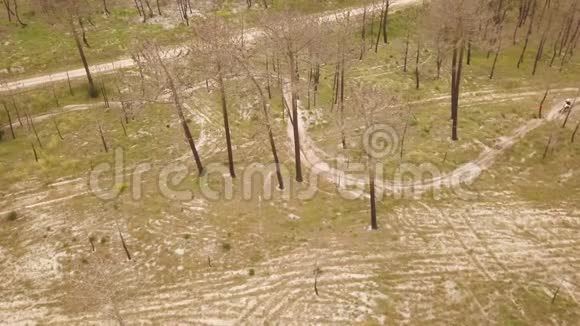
567	106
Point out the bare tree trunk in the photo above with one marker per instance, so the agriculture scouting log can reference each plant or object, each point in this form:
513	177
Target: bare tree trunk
84	33
151	14
17	112
380	31
8	9
16	14
124	109
574	133
92	242
70	90
342	99
497	51
34	151
92	90
469	52
33	129
222	88
371	171
125	248
457	65
316	273
57	129
439	62
139	8
179	108
105	95
105	8
158	8
402	151
266	111
547	148
9	120
124	129
295	118
555	49
363	34
417	65
569	52
335	86
406	52
103	139
385	26
268	86
530	29
542	103
539	54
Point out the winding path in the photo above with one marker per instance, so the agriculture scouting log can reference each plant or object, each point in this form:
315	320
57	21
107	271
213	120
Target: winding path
465	174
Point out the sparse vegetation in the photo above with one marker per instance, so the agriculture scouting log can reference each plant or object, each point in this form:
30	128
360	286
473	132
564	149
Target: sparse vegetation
12	216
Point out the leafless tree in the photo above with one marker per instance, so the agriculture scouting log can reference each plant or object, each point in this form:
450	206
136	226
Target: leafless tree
165	76
100	283
456	21
67	14
370	101
12	10
212	50
289	34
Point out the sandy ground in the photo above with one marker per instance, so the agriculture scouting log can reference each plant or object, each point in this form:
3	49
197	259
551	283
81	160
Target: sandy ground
458	264
466	263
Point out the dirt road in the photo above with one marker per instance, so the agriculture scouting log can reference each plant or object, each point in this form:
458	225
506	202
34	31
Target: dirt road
124	63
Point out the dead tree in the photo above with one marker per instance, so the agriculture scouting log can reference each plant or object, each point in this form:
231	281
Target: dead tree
547	148
213	51
574	132
288	34
457	21
406	51
106	8
34	151
385	24
417	65
66	15
243	60
499	38
57	129
528	34
369	100
31	121
164	74
102	136
124	244
542	103
9	120
12	10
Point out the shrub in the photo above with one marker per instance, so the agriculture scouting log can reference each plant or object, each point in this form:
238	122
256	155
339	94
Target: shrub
251	272
226	246
12	216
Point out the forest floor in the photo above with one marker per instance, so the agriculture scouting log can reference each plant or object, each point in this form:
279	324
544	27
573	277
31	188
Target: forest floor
506	254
